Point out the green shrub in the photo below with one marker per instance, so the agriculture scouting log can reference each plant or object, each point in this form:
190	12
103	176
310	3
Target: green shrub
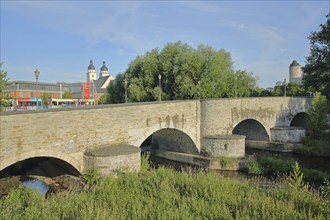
295	180
315	175
317	116
272	165
254	168
145	163
91	176
226	162
320	146
325	189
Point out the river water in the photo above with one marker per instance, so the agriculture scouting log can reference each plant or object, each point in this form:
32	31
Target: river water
36	185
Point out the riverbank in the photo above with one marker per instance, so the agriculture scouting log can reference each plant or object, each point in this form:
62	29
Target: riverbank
316	147
164	193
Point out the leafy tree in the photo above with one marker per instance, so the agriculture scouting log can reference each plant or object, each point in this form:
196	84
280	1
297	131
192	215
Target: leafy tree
317	68
185	73
104	99
293	89
67	95
44	98
116	89
261	92
317	120
244	83
3	83
279	89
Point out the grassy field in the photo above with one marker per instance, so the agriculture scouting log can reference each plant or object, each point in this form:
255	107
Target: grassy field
164	193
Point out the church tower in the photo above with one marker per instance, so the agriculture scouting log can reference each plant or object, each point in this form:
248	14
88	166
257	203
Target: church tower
91	73
104	70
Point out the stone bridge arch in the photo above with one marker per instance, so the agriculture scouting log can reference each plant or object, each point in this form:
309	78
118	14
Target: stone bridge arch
77	163
299	120
171	139
252	129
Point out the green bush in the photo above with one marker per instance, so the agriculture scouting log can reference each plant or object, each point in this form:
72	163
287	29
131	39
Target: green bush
254	168
91	176
273	165
145	163
320	146
325	204
317	120
315	175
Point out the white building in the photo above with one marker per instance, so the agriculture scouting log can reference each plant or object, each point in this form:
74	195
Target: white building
295	73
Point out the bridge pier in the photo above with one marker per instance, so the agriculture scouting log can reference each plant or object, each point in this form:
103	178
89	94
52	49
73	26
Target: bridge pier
224	145
287	134
110	159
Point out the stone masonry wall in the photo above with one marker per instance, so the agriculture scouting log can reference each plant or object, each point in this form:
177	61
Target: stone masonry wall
221	116
68	133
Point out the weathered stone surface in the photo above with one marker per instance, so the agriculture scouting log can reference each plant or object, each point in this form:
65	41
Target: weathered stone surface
68	133
108	160
287	134
224	145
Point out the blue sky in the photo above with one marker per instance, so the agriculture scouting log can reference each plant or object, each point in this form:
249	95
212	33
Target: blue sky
61	37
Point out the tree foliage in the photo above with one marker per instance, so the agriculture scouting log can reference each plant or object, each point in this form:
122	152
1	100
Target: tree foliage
317	68
103	99
185	73
44	98
317	120
116	89
290	89
3	83
67	95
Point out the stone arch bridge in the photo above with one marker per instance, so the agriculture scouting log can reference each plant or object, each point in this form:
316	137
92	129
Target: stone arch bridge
98	135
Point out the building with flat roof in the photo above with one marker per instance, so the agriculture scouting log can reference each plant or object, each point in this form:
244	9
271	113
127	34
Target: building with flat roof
27	92
28	89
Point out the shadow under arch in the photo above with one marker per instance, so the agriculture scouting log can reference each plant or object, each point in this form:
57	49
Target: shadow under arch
170	139
40	166
299	120
75	165
252	130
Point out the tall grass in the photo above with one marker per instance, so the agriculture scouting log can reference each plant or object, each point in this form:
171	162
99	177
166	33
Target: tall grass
273	166
164	193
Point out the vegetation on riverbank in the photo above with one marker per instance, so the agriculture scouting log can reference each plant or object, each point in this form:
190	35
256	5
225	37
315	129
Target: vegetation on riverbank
317	140
267	165
164	193
317	147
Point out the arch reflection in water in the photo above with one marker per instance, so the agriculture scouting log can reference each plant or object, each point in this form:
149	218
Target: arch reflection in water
36	185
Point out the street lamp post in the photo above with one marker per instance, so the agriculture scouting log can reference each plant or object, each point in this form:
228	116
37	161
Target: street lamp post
125	90
284	84
37	73
160	87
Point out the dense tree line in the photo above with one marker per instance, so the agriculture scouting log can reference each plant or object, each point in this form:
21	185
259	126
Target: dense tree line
281	89
186	73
